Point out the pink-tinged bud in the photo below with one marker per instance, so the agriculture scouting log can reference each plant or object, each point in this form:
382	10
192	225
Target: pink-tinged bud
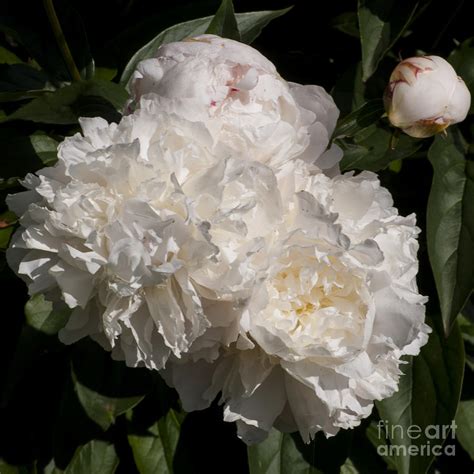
425	96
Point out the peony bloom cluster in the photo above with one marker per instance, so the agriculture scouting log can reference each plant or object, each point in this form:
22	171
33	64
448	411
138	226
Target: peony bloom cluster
210	235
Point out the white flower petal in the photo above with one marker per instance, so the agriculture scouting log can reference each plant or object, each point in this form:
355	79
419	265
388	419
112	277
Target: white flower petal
258	410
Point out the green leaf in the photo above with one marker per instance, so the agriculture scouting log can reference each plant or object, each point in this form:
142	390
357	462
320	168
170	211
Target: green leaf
462	60
23	153
95	457
154	450
40	315
380	25
467	329
465	426
427	398
450	226
349	468
374	148
81	99
359	119
66	441
20	77
278	454
105	388
22	95
347	23
45	147
395	166
104	73
224	23
51	468
7	57
9	183
100	408
250	25
282	453
6	468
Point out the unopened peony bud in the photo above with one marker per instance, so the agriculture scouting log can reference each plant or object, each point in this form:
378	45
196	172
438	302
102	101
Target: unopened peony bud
425	96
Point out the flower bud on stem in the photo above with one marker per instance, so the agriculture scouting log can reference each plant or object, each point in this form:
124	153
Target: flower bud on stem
425	96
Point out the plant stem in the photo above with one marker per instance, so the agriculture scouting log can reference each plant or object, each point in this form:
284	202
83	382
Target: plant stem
61	40
394	139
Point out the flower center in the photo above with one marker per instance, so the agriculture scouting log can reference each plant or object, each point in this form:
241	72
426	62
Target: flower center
317	298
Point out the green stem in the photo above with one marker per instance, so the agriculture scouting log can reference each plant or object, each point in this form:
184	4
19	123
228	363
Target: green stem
394	138
61	40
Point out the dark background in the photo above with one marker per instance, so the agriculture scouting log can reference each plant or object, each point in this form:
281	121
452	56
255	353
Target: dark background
303	44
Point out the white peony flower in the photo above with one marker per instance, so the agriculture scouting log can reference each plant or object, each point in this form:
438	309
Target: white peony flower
139	228
240	98
323	335
425	96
